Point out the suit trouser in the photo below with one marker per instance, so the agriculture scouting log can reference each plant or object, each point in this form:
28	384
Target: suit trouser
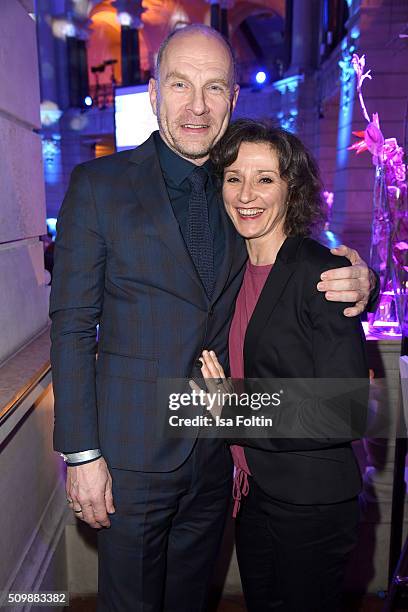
159	553
292	558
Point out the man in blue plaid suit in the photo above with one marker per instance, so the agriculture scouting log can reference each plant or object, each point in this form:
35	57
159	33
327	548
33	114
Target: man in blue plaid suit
124	260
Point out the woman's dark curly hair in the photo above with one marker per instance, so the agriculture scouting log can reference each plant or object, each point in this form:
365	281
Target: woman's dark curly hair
305	211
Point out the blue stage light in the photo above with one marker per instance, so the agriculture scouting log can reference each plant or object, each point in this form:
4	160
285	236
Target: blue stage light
52	226
88	101
260	77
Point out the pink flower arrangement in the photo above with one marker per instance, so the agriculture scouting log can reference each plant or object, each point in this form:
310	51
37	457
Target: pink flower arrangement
390	223
358	64
384	150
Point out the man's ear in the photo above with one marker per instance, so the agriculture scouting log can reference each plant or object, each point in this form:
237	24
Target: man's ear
235	95
153	94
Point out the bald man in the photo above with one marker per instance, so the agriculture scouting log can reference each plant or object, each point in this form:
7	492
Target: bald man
136	255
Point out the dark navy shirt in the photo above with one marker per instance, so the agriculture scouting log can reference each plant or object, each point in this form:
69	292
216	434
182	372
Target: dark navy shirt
176	171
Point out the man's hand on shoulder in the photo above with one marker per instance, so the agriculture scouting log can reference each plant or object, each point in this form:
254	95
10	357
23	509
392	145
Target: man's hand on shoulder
89	486
349	284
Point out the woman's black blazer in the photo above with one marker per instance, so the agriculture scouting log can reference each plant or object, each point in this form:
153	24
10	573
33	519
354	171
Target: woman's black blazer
295	332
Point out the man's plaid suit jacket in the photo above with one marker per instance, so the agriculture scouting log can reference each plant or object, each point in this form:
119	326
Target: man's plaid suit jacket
121	262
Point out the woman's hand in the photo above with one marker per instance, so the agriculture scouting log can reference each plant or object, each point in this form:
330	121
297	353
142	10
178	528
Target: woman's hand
215	380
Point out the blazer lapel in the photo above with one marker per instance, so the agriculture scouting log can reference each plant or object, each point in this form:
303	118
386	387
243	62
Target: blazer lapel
232	244
148	183
279	276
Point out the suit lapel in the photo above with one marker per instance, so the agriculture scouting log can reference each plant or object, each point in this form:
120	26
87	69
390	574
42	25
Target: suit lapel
232	242
148	183
279	276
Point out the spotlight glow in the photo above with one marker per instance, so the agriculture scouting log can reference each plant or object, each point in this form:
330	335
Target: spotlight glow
260	77
125	19
52	225
88	101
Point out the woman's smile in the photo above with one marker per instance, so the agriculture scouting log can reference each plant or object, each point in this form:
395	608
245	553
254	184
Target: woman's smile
255	198
250	213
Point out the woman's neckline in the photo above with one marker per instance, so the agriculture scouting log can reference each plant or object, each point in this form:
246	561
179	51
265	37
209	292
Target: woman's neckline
258	268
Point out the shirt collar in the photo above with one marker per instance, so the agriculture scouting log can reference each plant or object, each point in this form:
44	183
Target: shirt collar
175	167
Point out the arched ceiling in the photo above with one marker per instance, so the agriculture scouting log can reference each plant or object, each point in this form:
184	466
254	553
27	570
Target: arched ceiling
275	5
104	40
160	17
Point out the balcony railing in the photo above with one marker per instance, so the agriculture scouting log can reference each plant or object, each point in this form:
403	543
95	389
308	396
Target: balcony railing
102	95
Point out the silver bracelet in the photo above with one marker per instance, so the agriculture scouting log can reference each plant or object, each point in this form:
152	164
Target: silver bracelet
87	455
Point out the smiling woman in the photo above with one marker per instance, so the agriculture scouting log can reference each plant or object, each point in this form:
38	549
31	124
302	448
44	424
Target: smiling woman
267	165
300	514
254	193
271	186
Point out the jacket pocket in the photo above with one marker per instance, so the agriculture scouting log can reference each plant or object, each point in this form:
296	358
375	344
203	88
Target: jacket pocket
121	366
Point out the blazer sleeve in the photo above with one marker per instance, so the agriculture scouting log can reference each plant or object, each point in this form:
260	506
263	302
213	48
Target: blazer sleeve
75	309
338	353
338	341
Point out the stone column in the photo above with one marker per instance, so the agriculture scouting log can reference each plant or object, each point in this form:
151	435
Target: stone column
23	296
77	57
225	6
304	31
215	14
130	18
299	112
62	29
46	53
52	30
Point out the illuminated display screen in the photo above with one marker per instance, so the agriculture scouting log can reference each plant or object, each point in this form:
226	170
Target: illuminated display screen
134	118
